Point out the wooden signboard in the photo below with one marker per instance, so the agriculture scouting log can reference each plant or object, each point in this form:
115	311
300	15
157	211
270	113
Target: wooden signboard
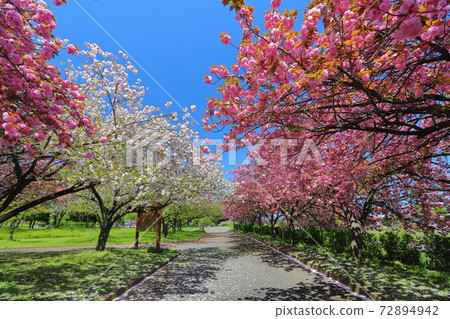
147	221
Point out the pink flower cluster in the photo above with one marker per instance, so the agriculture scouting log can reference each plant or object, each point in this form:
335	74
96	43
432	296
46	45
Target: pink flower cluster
225	38
409	29
275	4
34	101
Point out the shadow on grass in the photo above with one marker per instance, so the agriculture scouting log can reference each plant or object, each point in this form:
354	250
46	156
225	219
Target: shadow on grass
86	275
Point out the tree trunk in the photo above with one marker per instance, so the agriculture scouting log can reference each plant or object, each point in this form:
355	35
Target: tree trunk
14	225
158	234
355	235
292	232
60	217
165	228
356	240
174	227
273	222
105	228
55	219
136	240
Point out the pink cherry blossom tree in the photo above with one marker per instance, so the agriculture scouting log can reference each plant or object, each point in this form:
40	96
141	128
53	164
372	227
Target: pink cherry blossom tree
39	111
377	66
371	83
353	185
359	183
36	102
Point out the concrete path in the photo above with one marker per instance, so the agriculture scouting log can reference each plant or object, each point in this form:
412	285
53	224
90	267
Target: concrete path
229	266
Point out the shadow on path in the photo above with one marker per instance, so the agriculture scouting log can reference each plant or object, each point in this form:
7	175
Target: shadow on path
229	266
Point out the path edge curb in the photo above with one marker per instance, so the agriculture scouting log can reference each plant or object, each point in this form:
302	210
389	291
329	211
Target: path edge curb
375	296
113	295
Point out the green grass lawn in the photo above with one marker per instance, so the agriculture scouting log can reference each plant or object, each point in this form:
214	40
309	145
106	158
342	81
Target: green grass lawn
73	275
227	224
80	236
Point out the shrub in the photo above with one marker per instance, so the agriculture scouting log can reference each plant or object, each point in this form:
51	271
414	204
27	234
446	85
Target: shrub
265	230
311	236
371	246
246	228
387	246
337	240
437	249
400	247
278	232
388	241
409	252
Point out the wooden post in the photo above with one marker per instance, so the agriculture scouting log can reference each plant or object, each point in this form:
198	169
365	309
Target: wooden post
158	231
136	240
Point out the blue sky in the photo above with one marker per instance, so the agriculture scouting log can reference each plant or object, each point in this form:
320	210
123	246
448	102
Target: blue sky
174	41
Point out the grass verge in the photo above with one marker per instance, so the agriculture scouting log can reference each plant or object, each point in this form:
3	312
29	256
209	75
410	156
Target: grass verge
395	281
73	275
79	236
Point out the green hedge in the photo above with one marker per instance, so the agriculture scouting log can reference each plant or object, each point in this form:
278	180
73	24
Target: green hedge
437	249
432	251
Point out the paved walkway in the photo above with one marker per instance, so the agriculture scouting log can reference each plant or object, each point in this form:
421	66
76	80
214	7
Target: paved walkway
229	266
